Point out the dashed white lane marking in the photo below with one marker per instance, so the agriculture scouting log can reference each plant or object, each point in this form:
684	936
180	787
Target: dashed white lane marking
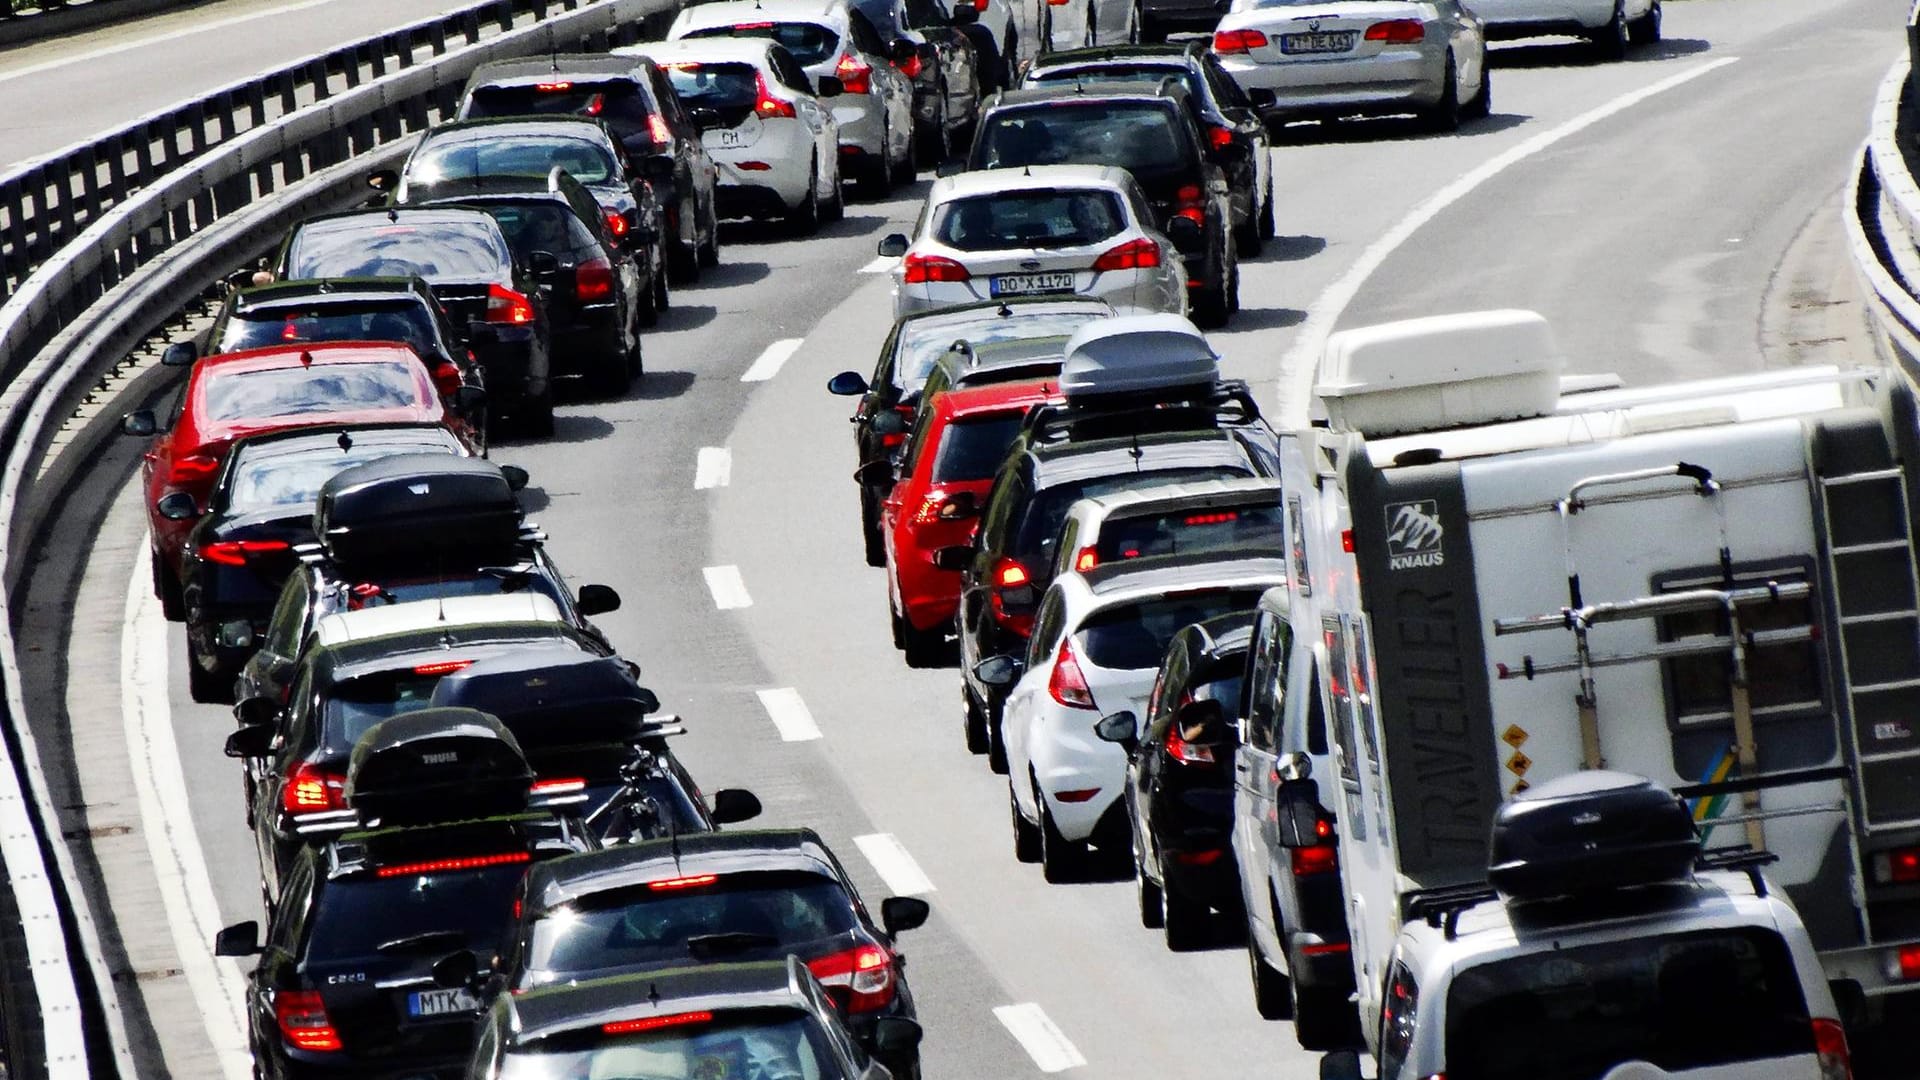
880	265
729	589
145	42
712	468
894	864
1298	367
789	714
1046	1044
179	864
769	362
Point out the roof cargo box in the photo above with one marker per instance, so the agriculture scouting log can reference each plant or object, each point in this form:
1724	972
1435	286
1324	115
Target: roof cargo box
552	698
418	506
437	765
1591	832
1440	372
1137	354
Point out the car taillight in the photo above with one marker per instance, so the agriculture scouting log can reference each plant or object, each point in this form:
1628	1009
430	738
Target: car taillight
1320	859
303	1021
1903	963
1185	752
910	67
658	131
696	881
856	76
1219	137
442	667
558	785
1397	31
446	377
1830	1044
766	105
193	468
311	789
1133	255
1012	589
653	1023
1900	866
593	280
1190	203
859	980
552	87
506	306
616	222
920	268
980	5
928	511
237	552
448	866
1067	685
1238	41
1086	559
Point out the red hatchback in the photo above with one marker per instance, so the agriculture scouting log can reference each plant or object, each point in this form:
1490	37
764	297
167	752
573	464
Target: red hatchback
230	396
959	439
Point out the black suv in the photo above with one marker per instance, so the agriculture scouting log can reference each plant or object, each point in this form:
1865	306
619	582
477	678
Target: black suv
1237	139
1151	132
631	95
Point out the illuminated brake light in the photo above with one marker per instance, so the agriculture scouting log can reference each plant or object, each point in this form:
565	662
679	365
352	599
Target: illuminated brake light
1308	861
766	105
237	552
596	104
1219	137
1830	1046
311	789
1346	541
654	1023
917	269
1220	518
553	87
657	129
1900	866
1397	31
1238	41
442	667
860	979
1010	574
1903	963
753	26
1138	254
693	882
1187	753
856	76
1190	203
1198	858
1086	559
910	67
616	222
506	306
303	1021
192	468
557	785
593	280
1066	684
444	866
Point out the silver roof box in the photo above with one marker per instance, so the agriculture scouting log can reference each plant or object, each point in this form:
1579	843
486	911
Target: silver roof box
1137	354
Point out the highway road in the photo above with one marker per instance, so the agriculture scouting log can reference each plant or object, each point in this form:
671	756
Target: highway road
1674	215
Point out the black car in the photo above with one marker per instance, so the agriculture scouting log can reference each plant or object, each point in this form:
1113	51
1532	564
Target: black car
768	1021
443	827
490	297
732	896
1237	139
1148	130
631	95
401	309
1180	781
950	67
598	294
238	556
908	357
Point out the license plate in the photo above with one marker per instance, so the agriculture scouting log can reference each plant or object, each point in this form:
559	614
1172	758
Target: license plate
1332	42
431	1003
1027	284
728	138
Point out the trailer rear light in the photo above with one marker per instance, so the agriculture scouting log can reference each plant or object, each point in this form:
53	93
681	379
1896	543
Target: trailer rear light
1086	559
768	106
920	268
654	1023
237	552
1830	1044
193	468
1397	31
506	306
693	881
442	667
311	789
593	280
1076	795
1900	866
1308	861
1238	41
446	866
860	980
1066	684
1141	254
856	75
303	1021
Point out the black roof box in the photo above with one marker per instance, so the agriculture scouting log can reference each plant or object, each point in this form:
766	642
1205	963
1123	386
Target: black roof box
437	765
554	697
417	505
1591	832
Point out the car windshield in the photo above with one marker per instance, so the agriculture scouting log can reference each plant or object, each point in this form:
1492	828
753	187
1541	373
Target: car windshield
755	1044
298	391
1678	1001
470	250
540	225
395	588
645	926
714	86
923	341
810	43
405	321
973	447
1030	219
1135	636
619	102
1140	136
354	918
352	706
1033	544
524	154
262	480
1253	528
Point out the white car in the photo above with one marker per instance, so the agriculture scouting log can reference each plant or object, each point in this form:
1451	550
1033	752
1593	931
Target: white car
1332	58
829	39
1084	230
1097	643
776	146
1610	24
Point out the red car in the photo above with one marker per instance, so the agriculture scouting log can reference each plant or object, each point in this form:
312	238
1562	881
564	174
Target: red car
230	396
944	479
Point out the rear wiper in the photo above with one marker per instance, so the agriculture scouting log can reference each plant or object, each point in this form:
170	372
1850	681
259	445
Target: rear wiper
708	946
451	939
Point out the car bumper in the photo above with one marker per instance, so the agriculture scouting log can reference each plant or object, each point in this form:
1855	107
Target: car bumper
1192	827
1524	18
1184	12
751	201
511	369
861	119
776	162
1066	756
591	338
1130	292
1384	83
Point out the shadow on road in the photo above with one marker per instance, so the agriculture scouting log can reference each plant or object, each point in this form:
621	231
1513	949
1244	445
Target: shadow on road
1291	248
732	273
662	385
578	429
1251	318
1575	52
684	317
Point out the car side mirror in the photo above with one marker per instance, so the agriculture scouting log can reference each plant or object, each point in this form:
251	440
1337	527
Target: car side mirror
733	805
178	506
1299	821
829	86
456	970
1122	728
648	701
889	422
240	939
847	384
960	506
469	400
965	14
252	741
950	167
597	600
1293	767
896	1037
900	50
517	478
893	245
900	914
1341	1065
956	557
140	423
179	354
544	265
997	671
383	181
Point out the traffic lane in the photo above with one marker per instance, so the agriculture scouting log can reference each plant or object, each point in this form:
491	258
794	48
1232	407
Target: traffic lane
56	93
1651	240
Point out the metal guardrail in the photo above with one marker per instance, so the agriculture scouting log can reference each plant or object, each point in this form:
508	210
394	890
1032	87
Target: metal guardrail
1881	216
99	257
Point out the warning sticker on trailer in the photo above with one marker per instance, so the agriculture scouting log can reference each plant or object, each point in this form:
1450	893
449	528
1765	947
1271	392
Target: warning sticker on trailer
1519	763
1514	735
1415	535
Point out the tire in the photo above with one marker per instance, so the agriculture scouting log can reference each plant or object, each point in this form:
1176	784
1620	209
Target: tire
876	548
683	264
974	724
614	376
934	142
1026	836
1062	861
1010	60
1186	922
1323	1019
710	251
536	416
167	588
924	648
207	687
996	742
835	207
1272	990
1247	237
1481	106
1645	30
805	218
903	169
1214	306
1610	41
1146	893
876	180
1443	117
1266	212
636	358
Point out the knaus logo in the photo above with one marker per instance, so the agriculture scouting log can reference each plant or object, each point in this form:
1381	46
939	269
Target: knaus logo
1414	535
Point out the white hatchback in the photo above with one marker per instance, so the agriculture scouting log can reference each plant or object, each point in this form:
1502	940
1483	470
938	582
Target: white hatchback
1069	230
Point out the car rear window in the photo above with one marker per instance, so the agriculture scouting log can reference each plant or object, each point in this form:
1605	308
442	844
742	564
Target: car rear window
405	321
1679	1001
375	247
1253	528
416	915
1048	508
1135	636
1140	136
647	927
973	447
1124	73
352	706
620	102
264	480
298	391
810	43
1030	219
540	225
714	86
523	155
923	342
764	1044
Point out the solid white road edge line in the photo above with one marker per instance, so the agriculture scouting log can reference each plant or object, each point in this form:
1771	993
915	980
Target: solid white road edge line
789	714
712	468
729	589
1046	1044
1302	361
141	43
894	864
769	362
179	866
880	265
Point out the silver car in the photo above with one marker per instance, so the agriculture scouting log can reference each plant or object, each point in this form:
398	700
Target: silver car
1304	58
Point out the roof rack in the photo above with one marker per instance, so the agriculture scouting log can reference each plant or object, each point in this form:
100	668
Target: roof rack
1226	402
1441	907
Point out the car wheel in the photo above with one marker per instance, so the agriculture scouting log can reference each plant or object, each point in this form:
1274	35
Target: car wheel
870	529
710	251
1214	306
1610	41
1323	1018
1145	892
1646	29
1026	836
924	648
876	179
1267	229
208	687
1248	238
683	264
975	723
1062	861
936	139
996	740
1444	115
1482	104
805	218
636	358
835	206
1184	920
903	166
536	417
1272	990
166	586
614	376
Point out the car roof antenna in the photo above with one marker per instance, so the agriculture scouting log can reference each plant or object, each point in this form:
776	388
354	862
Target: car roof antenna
345	441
